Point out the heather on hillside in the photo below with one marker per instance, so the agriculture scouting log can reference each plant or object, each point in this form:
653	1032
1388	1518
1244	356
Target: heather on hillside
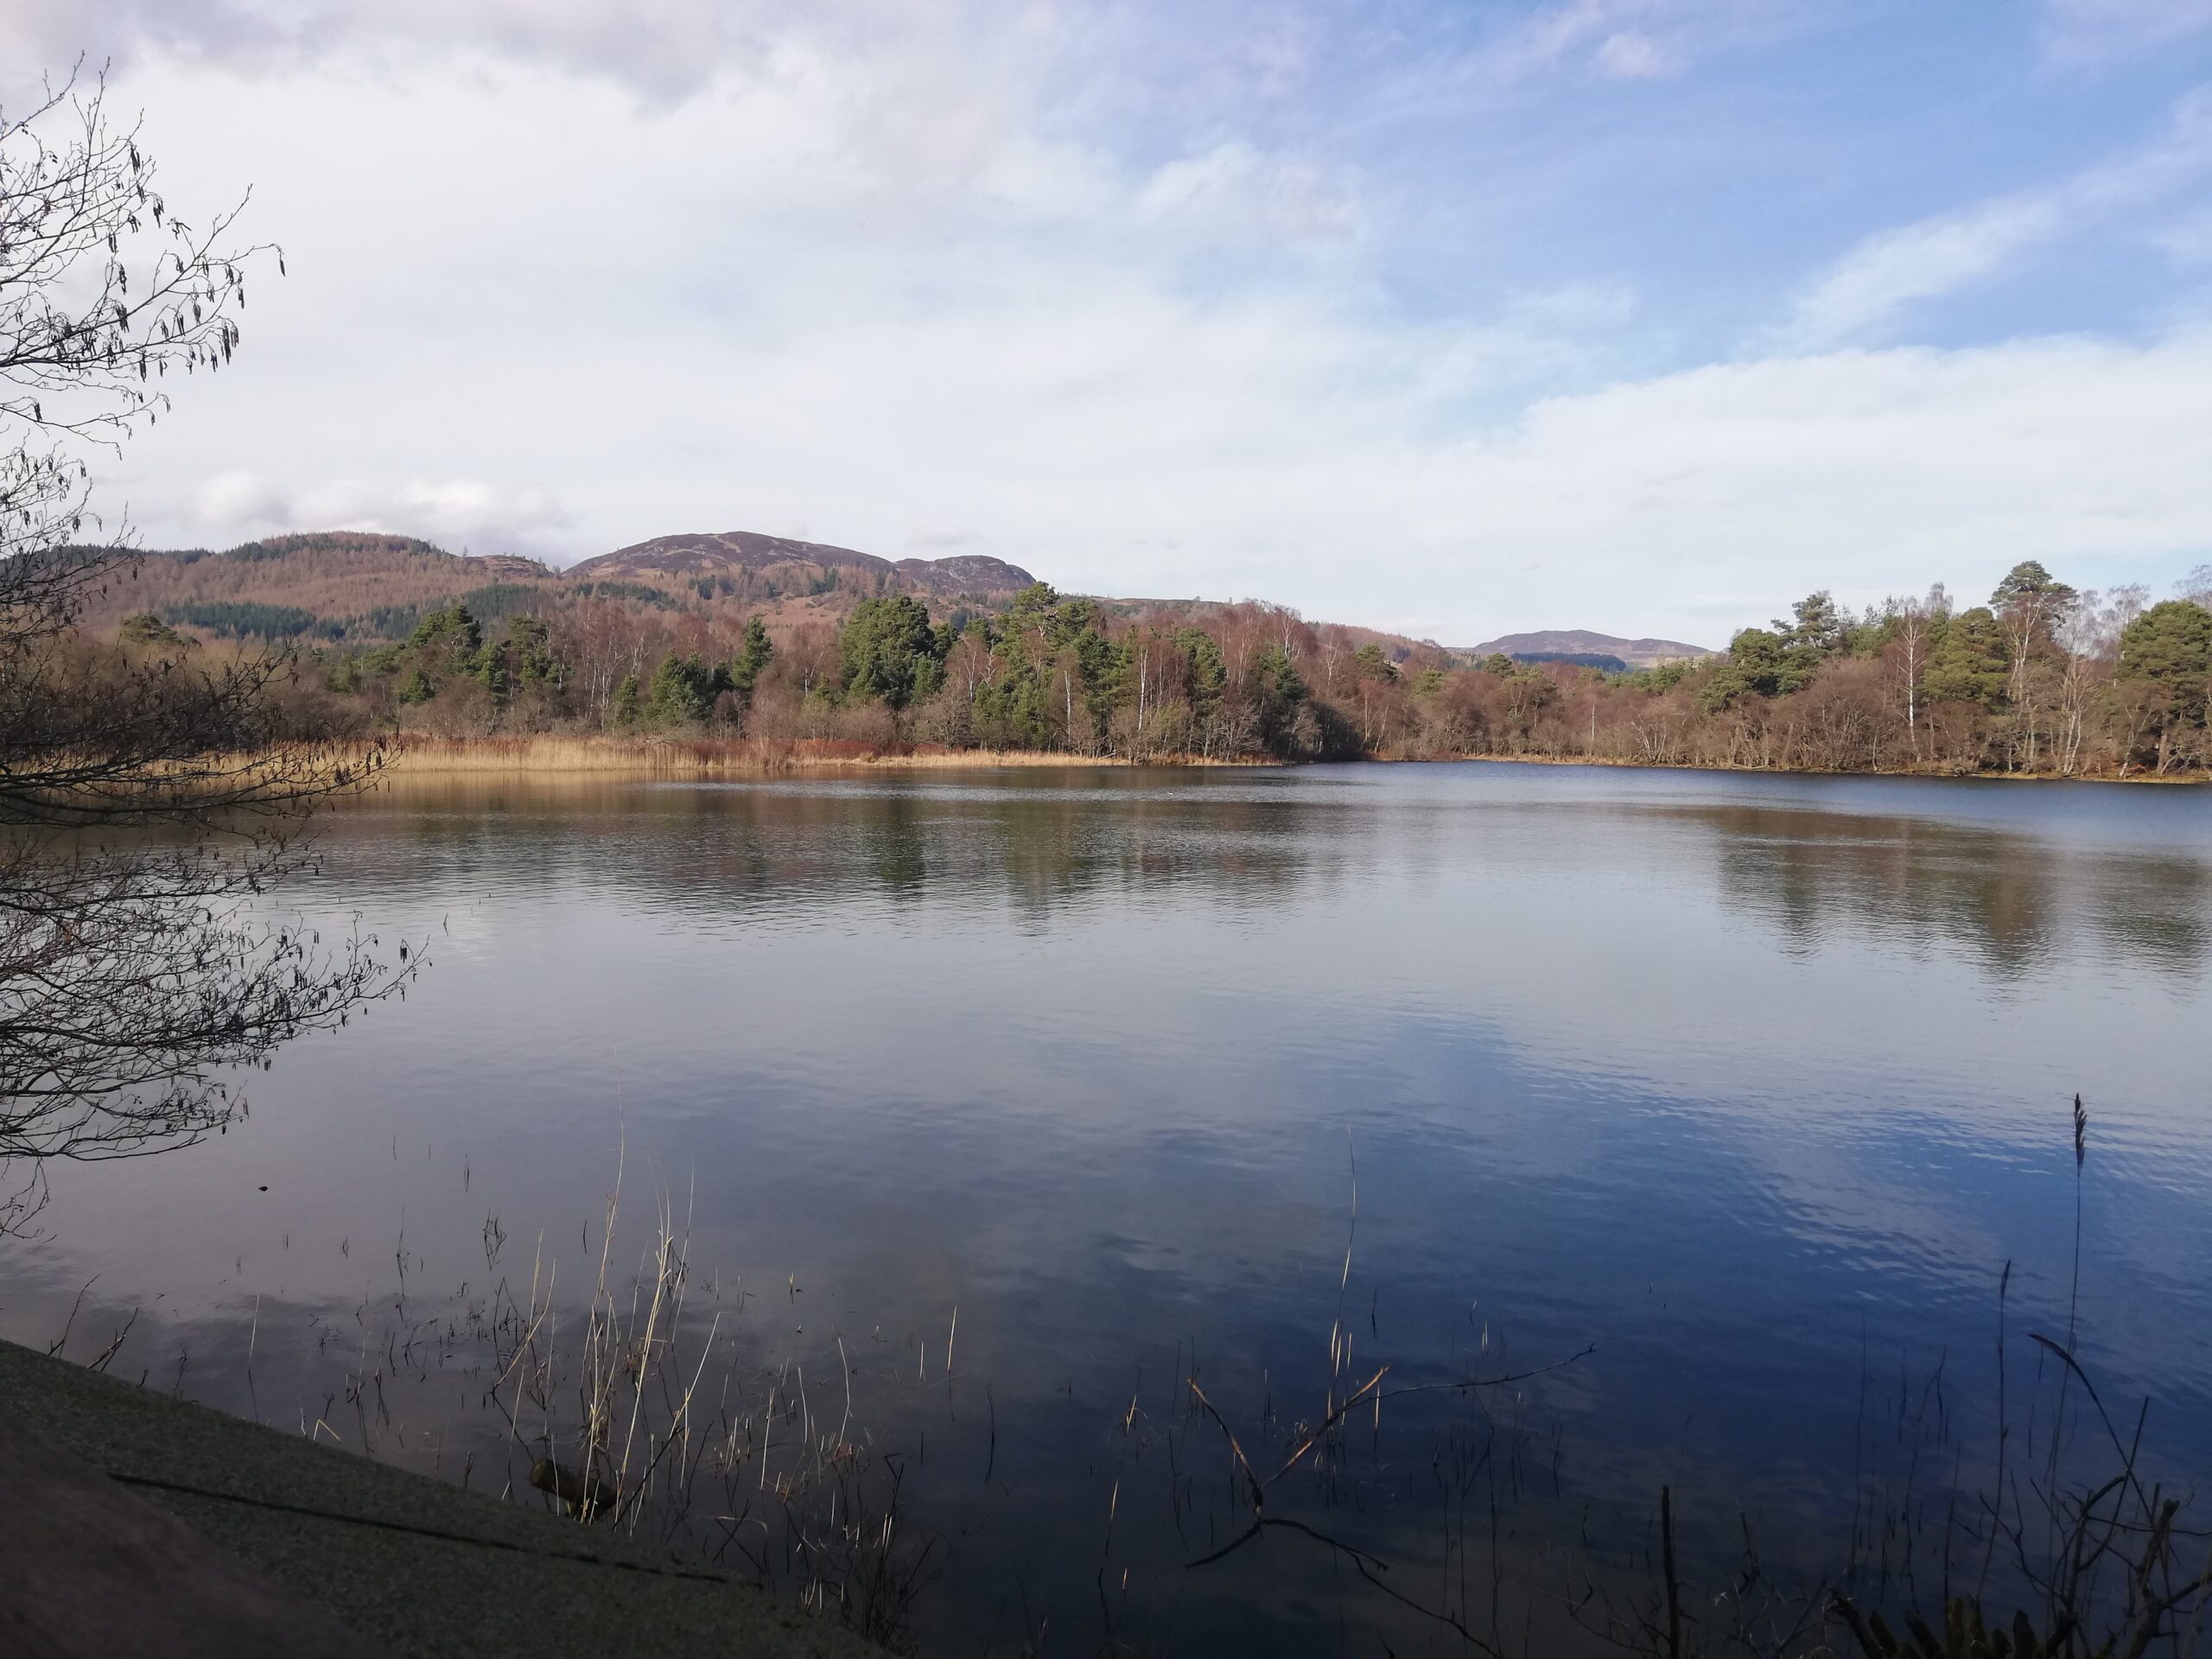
2040	680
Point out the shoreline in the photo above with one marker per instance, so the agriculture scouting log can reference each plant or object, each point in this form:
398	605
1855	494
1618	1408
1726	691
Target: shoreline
256	1540
552	755
747	757
1929	774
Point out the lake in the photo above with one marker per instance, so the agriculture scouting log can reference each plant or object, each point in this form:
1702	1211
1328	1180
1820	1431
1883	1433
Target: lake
1035	1094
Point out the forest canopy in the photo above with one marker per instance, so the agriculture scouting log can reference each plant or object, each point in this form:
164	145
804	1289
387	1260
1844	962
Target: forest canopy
2040	678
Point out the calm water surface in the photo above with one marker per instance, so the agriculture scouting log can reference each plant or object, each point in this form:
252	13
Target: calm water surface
1757	1084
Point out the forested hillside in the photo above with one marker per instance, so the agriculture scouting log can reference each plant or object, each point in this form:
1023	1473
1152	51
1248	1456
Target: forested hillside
736	633
2040	679
331	586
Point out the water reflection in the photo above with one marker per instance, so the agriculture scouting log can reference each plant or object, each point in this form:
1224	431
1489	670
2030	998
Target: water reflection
707	847
1745	1079
2156	911
2010	899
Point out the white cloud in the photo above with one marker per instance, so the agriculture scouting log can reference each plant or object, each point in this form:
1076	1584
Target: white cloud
1628	40
484	515
865	289
240	499
2094	34
487	517
667	47
1874	470
1867	289
1631	55
2188	239
1864	295
1234	190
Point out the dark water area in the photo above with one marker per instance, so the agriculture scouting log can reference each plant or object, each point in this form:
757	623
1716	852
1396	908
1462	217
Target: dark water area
1756	1083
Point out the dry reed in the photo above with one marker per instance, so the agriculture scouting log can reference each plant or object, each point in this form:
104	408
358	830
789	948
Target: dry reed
629	1405
655	756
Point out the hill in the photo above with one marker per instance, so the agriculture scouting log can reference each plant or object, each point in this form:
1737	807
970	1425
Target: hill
1555	645
362	588
332	584
745	565
660	639
351	585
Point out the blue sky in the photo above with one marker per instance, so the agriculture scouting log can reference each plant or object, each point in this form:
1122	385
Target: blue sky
1646	315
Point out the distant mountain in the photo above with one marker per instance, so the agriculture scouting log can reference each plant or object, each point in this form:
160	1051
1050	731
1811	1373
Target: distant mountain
367	548
329	585
355	585
1556	644
362	587
745	563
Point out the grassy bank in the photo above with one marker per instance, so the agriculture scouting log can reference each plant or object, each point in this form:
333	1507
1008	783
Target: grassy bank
417	1565
563	755
734	757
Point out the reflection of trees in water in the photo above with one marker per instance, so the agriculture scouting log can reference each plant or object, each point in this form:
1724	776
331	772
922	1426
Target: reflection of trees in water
1053	850
2010	900
727	849
2014	900
2154	911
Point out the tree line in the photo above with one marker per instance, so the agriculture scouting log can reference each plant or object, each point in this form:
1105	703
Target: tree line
2042	679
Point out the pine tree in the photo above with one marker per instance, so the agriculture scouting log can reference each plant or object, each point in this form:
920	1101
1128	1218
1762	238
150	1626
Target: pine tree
752	658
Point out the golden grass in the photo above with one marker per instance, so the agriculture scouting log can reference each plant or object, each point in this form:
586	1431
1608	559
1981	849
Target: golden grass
546	755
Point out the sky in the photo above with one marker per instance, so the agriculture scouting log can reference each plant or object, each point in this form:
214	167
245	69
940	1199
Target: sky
1648	316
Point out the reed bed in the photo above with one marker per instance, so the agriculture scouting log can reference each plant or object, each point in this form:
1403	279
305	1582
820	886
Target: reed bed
633	1401
414	754
643	1421
1433	1500
1423	1497
649	755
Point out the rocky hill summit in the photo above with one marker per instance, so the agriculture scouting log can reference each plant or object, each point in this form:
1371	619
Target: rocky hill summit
716	558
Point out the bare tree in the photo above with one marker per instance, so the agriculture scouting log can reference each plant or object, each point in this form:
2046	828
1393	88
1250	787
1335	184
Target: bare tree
148	805
1915	620
104	292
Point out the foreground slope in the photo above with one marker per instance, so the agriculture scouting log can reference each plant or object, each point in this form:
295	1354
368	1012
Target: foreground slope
412	1566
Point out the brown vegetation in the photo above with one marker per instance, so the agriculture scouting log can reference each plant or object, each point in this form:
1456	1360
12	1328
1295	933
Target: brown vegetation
340	577
646	643
547	754
2040	681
